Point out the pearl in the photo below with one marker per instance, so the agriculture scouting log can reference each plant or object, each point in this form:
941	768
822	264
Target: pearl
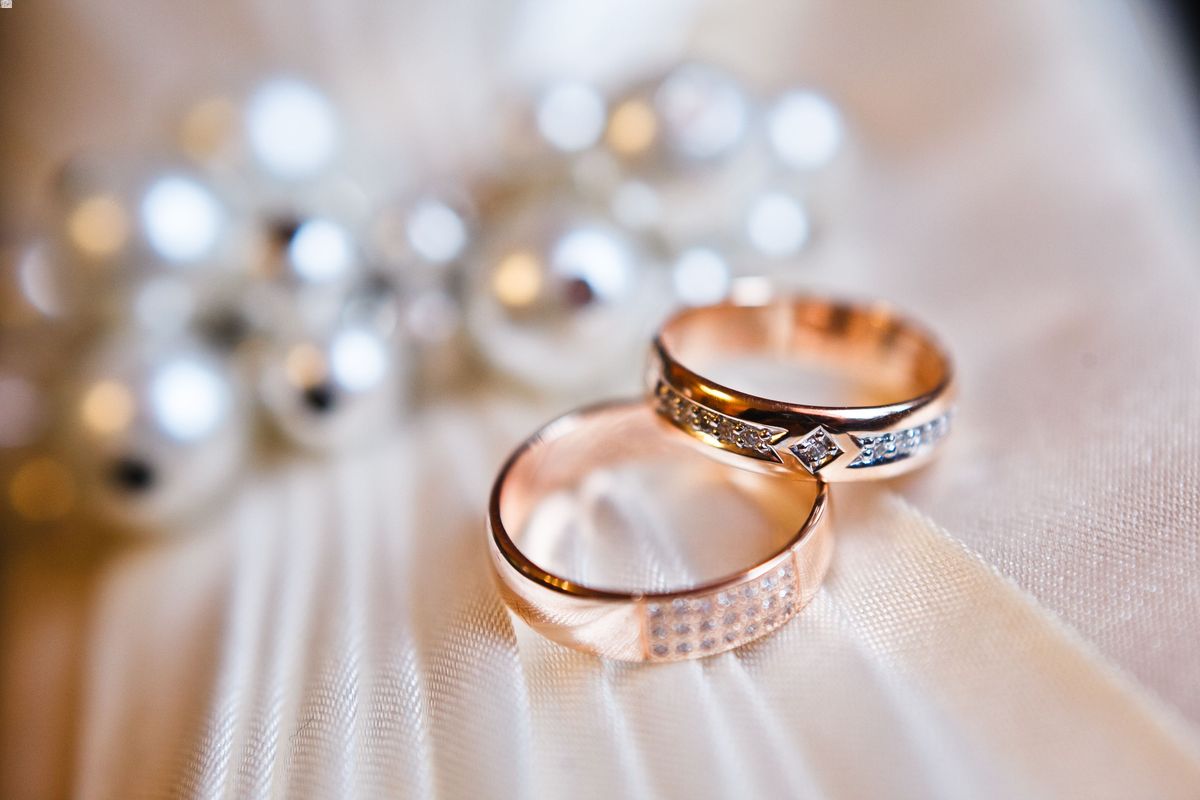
701	276
150	246
704	112
777	224
549	284
292	129
157	430
421	235
334	390
33	286
696	114
571	116
167	214
181	218
436	231
804	130
312	250
320	251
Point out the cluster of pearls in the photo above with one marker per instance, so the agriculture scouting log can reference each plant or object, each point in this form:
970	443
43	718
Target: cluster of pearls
246	277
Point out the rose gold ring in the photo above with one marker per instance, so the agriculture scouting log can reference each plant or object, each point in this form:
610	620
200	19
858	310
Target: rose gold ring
900	369
595	447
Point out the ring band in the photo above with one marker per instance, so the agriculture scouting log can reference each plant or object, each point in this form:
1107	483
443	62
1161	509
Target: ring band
698	621
911	371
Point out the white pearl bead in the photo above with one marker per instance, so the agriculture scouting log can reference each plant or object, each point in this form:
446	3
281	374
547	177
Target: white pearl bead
334	390
804	130
697	114
292	129
559	299
571	116
777	224
704	111
167	230
157	430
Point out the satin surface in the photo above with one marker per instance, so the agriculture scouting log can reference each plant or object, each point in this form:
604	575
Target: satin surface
1019	620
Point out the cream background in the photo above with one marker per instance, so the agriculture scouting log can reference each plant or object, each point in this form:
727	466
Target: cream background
1021	620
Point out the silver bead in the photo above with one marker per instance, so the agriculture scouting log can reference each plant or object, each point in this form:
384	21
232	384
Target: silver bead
571	116
422	234
34	288
169	213
36	315
312	264
122	231
376	303
804	130
701	276
292	130
334	390
696	114
157	430
181	218
310	250
436	230
558	298
777	224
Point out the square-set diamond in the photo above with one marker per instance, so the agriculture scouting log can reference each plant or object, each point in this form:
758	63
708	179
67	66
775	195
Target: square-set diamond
712	623
816	450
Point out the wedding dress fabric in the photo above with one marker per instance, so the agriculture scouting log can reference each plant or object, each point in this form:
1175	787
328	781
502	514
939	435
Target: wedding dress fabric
1020	620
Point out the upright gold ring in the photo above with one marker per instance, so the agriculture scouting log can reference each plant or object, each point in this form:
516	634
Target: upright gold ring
691	622
907	375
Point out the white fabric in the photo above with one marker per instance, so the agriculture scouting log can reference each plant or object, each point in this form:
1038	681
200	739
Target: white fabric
1020	620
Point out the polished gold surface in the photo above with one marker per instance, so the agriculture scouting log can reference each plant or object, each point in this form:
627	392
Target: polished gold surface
892	409
775	527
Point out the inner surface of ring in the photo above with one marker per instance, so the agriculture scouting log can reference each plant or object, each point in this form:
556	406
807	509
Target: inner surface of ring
863	355
619	502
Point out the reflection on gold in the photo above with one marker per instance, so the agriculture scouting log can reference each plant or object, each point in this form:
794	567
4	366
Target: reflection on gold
107	407
305	365
517	280
632	128
98	226
207	127
42	490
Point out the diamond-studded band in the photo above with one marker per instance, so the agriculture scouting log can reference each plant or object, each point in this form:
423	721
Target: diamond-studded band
838	443
690	623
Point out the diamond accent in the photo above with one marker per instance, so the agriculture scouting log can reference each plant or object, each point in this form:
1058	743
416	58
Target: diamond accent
885	448
714	622
746	438
816	450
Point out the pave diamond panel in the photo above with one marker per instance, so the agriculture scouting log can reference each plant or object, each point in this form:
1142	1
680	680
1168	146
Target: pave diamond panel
744	437
885	448
703	624
816	450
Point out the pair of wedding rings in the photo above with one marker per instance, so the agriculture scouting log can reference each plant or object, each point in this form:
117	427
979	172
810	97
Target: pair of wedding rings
787	452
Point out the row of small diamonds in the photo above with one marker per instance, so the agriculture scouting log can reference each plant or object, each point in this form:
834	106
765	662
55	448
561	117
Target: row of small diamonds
687	413
706	624
885	448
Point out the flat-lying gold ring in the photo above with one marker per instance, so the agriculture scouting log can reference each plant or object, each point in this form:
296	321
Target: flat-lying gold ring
654	626
911	371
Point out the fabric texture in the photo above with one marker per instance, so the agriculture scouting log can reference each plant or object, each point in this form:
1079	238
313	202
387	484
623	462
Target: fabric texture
1020	620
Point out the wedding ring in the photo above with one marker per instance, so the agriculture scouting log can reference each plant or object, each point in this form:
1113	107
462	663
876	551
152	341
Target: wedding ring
905	375
563	487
